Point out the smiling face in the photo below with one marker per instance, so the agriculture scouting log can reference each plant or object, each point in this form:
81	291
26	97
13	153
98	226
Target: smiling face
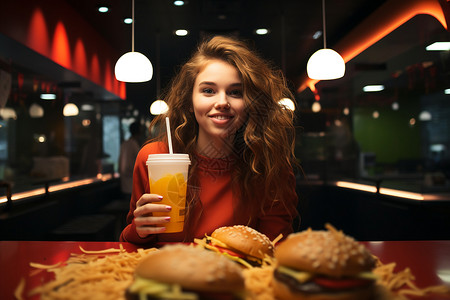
218	105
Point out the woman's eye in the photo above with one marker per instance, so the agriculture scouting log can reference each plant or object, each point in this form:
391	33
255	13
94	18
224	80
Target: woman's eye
236	93
207	91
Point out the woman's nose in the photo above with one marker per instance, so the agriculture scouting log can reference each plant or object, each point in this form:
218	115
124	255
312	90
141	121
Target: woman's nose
222	102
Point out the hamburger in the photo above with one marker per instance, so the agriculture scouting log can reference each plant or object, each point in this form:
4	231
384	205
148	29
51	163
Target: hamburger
241	244
186	272
323	265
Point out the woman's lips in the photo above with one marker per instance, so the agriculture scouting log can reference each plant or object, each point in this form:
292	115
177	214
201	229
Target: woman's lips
221	119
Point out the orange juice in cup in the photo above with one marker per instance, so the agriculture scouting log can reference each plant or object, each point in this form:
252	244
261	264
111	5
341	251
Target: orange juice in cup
168	175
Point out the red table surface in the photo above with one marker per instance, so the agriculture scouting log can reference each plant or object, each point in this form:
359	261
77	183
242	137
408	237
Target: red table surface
429	261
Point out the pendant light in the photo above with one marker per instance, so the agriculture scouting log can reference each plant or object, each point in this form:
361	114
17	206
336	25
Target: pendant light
133	66
36	111
325	64
70	110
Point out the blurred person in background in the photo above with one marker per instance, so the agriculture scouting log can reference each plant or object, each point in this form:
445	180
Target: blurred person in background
128	152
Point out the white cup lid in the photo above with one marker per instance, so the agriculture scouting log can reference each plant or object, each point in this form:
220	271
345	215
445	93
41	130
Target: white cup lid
168	158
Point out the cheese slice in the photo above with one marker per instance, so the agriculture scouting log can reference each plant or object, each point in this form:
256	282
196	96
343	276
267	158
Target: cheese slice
303	276
300	276
144	287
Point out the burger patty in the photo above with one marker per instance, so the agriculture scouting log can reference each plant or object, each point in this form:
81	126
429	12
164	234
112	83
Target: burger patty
310	286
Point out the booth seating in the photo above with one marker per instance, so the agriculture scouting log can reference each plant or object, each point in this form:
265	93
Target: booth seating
119	209
95	227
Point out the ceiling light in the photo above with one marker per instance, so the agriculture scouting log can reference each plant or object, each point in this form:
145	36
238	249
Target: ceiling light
395	106
317	34
373	88
447	91
133	66
316	107
425	116
158	107
346	111
375	114
325	64
48	96
438	46
36	111
128	20
8	113
287	103
70	110
437	147
178	3
87	107
181	32
103	9
262	31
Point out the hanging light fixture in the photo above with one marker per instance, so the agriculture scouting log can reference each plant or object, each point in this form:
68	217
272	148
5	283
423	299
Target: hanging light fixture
325	64
36	111
133	66
70	110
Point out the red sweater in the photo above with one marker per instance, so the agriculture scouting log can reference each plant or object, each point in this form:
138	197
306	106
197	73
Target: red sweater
217	203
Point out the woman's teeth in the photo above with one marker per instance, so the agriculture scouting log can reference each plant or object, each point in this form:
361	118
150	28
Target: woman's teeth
221	117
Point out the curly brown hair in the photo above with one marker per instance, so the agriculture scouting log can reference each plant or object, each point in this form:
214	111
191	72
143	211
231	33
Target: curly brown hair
263	146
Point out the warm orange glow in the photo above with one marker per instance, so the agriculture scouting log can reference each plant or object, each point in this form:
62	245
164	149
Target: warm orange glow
95	69
357	186
401	194
380	23
60	34
122	90
80	64
383	191
37	33
57	187
60	47
108	84
388	17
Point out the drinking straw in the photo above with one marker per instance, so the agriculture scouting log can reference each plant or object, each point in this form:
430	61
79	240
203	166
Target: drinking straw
169	137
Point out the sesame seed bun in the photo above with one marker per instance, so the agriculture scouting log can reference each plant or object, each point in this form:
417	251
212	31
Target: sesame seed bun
329	253
245	239
193	268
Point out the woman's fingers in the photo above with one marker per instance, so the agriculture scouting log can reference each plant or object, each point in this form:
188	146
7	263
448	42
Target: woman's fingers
147	225
146	222
148	203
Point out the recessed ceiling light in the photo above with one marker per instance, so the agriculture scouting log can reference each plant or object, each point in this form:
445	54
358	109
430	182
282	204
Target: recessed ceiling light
375	114
317	35
438	46
103	9
128	20
395	105
373	88
48	96
262	31
178	3
181	32
425	116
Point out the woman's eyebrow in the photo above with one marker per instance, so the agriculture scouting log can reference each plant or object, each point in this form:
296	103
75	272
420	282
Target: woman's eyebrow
207	83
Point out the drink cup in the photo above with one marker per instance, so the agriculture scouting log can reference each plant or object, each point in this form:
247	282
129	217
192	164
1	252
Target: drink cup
168	174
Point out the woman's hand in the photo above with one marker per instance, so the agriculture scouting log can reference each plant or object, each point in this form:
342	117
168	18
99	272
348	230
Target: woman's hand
143	215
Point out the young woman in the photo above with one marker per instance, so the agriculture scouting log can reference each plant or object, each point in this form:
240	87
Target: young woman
224	112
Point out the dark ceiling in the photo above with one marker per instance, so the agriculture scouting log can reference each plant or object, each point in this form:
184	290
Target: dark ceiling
292	25
289	44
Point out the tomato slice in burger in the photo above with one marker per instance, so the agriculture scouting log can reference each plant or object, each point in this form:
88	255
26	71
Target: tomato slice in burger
231	252
342	283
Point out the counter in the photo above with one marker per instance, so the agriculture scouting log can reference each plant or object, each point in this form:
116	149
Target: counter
429	261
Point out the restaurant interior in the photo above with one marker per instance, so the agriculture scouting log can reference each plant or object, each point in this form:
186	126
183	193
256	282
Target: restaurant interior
374	163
